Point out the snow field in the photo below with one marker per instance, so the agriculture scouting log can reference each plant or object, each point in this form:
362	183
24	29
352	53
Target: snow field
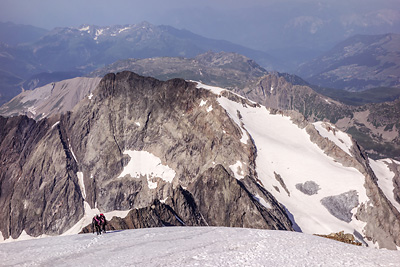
192	246
285	149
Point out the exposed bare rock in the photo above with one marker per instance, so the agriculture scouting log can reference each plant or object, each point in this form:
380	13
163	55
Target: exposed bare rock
341	205
309	188
342	237
39	187
226	189
395	168
281	182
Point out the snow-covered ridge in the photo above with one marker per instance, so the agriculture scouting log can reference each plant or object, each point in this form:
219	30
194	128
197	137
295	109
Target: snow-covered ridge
193	246
97	32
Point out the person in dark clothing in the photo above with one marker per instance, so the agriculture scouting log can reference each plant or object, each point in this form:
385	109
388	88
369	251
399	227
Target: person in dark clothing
103	222
96	224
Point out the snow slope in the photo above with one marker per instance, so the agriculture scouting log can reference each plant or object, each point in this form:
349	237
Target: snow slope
192	246
288	163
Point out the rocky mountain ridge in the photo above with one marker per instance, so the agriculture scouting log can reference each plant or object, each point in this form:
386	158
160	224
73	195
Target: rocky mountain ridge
199	150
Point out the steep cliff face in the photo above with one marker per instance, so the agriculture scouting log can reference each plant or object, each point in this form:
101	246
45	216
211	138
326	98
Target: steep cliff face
39	187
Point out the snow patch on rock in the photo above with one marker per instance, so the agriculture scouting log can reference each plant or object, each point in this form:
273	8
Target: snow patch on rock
55	124
262	201
237	170
81	184
143	163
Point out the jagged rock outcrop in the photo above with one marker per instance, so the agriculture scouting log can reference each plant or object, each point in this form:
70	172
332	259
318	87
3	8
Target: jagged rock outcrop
156	215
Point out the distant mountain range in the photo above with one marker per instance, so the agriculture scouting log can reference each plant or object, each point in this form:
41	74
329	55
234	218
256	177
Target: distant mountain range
89	47
358	63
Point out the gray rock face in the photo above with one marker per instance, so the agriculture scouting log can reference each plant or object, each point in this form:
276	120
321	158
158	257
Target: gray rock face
309	188
51	167
39	188
341	205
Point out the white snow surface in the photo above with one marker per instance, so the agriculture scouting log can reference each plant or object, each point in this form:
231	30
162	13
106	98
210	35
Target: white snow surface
81	184
143	163
84	28
203	102
72	152
285	149
237	169
385	179
214	89
124	29
192	246
262	201
341	139
55	124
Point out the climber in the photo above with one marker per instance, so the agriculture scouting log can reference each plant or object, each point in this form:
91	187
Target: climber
103	222
96	224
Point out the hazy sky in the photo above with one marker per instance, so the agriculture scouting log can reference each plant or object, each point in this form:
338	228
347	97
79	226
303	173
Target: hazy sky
53	13
253	23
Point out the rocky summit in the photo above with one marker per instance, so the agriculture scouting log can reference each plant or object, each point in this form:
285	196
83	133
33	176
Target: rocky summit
152	153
